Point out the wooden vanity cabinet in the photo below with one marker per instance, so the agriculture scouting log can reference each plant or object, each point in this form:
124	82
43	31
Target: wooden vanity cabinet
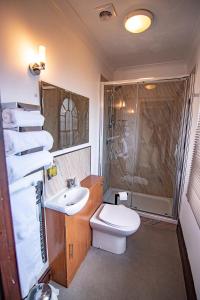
69	237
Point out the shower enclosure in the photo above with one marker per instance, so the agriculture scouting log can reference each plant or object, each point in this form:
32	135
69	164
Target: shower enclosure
142	128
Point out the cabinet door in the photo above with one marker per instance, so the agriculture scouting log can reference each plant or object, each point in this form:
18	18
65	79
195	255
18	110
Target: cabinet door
55	224
79	233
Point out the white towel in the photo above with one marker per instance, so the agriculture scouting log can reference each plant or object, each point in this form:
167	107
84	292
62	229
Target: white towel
19	166
21	118
29	260
16	142
24	212
26	225
9	125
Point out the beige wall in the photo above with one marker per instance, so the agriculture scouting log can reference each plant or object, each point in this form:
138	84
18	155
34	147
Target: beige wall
73	60
191	230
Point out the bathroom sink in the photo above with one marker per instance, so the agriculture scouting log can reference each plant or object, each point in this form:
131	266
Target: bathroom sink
69	201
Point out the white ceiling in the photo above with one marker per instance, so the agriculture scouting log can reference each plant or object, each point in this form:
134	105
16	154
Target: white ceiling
170	37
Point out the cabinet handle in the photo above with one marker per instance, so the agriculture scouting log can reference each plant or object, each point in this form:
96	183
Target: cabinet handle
71	250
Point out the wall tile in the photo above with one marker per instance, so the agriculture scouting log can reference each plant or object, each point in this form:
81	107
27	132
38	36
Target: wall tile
76	163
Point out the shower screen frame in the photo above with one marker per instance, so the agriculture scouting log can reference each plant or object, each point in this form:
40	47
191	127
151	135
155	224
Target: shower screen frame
101	127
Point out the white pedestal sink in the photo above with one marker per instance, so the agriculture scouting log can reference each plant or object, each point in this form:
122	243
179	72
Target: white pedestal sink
69	201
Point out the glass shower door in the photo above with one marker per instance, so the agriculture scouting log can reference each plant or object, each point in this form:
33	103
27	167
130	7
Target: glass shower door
141	143
119	147
160	107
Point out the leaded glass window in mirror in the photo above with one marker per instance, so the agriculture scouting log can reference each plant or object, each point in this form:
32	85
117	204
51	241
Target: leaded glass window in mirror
66	116
68	123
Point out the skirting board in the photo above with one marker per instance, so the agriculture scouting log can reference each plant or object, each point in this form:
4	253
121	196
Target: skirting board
189	283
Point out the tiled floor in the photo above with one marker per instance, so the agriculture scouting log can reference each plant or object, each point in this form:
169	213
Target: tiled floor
149	270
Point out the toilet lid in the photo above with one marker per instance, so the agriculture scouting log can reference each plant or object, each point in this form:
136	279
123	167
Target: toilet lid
119	215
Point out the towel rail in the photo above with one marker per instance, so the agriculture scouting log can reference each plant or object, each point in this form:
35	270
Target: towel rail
27	107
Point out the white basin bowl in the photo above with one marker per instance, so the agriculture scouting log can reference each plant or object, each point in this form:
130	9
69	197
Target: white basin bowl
69	201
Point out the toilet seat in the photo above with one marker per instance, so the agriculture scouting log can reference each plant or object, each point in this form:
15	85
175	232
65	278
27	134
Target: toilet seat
119	216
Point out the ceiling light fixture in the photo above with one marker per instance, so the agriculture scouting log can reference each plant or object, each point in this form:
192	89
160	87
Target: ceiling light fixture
150	86
138	21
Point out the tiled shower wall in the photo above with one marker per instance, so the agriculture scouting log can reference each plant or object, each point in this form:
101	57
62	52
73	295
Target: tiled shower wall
141	134
76	163
159	131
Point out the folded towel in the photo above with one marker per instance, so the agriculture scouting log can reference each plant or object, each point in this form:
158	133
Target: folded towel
8	125
16	142
15	117
19	166
24	212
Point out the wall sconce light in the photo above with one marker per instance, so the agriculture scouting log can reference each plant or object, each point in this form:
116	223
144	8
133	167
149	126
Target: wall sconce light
39	63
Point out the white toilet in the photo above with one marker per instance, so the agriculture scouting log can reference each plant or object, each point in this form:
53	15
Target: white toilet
111	225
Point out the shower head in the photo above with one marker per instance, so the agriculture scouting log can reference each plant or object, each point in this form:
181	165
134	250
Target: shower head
117	88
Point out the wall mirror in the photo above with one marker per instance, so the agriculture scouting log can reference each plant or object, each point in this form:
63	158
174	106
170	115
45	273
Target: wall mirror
66	116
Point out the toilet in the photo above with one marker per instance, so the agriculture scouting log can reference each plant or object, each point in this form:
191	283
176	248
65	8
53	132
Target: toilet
111	224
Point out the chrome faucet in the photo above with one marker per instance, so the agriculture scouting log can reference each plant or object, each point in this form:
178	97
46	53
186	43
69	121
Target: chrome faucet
73	182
